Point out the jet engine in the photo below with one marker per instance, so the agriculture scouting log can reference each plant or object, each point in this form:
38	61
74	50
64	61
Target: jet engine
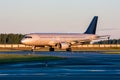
63	45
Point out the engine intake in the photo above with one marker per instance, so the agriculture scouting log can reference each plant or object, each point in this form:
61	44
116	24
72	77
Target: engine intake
63	45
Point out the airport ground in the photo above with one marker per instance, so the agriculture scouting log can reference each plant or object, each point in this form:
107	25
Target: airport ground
85	49
85	63
75	66
4	58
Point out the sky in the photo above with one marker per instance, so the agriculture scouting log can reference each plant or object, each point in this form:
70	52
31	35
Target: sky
59	16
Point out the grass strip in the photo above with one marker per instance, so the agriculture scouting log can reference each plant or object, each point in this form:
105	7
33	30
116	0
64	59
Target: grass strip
11	58
112	52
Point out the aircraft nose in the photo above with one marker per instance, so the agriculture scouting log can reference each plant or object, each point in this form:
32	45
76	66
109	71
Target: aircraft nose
23	41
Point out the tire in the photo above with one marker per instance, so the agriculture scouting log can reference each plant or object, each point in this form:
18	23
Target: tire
32	50
51	49
68	49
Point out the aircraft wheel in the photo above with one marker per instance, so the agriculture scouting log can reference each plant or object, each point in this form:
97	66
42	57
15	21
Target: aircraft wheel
51	49
33	48
69	49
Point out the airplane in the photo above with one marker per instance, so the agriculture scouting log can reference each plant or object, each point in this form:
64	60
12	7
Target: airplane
61	40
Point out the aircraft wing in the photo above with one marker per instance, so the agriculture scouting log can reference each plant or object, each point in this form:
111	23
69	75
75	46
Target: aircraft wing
104	37
79	42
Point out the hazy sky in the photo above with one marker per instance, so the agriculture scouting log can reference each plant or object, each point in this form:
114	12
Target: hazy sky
66	16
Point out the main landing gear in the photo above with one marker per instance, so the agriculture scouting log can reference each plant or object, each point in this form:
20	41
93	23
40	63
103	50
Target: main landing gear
68	49
51	49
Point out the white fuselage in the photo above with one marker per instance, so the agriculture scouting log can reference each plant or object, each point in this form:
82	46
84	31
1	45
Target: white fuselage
51	39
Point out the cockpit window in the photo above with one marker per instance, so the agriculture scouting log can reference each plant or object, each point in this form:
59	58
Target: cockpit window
28	37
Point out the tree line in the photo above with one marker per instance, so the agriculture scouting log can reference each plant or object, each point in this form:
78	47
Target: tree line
111	41
10	38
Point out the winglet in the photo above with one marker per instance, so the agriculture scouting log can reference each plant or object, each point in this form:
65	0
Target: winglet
92	27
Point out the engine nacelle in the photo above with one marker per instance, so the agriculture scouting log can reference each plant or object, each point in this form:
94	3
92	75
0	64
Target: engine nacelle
63	45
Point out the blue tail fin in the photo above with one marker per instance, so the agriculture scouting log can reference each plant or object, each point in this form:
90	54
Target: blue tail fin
92	27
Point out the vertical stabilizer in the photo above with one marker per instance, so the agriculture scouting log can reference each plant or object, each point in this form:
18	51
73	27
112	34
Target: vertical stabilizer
92	27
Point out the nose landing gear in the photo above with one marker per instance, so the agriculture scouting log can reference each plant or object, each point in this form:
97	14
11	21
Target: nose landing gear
33	48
